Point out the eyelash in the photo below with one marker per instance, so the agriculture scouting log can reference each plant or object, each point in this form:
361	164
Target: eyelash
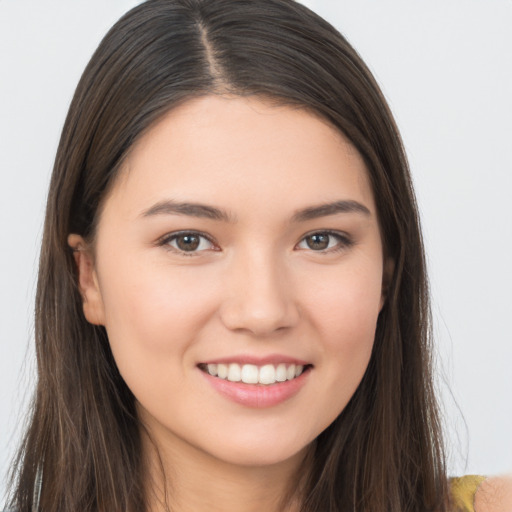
345	242
166	239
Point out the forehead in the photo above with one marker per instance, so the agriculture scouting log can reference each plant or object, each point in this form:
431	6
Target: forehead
245	152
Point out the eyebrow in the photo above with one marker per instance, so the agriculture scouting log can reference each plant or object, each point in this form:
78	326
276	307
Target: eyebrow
323	210
171	207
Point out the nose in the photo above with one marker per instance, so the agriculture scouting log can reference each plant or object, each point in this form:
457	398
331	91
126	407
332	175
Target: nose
259	297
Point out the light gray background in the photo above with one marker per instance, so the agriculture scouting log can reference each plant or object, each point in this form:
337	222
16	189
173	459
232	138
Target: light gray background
445	67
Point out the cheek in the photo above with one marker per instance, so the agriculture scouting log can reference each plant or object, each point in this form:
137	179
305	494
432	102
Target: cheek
346	307
346	317
344	311
153	318
151	312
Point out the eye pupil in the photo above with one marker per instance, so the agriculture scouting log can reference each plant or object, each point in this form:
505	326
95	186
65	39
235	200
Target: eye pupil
319	241
187	242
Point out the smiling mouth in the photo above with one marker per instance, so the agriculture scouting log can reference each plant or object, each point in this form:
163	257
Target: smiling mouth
266	375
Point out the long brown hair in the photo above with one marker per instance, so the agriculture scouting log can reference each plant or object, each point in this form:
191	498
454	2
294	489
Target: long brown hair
384	452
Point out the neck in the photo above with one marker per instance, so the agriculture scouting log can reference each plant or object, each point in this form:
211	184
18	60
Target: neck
182	478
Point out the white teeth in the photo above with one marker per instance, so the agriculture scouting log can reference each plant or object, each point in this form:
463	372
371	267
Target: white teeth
234	373
222	371
281	372
267	374
252	374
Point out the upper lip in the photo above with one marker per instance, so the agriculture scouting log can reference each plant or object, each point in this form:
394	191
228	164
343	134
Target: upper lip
274	359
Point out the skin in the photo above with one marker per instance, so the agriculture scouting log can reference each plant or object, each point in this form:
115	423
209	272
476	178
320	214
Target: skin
258	288
494	495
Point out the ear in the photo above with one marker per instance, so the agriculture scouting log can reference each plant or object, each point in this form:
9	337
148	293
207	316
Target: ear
387	275
88	285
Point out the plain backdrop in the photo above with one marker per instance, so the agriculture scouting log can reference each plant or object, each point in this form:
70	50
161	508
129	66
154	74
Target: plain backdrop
446	68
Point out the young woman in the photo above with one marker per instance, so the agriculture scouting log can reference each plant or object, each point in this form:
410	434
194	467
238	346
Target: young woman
232	309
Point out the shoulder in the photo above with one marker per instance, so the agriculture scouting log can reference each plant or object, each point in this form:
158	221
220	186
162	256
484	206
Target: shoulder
494	495
463	490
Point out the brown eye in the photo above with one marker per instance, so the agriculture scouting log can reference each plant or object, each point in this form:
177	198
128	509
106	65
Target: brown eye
325	242
318	241
187	243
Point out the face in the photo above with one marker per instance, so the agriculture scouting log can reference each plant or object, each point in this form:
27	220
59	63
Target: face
240	241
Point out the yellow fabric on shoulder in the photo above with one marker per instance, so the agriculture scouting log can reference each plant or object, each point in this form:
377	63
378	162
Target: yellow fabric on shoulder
463	490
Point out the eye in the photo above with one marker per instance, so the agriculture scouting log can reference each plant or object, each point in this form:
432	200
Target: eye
187	243
325	242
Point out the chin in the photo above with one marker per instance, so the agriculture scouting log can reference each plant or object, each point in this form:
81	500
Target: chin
255	453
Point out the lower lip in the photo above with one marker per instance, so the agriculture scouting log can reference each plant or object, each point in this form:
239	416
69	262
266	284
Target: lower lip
258	395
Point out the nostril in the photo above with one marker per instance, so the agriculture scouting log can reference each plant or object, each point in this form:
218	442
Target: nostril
260	321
